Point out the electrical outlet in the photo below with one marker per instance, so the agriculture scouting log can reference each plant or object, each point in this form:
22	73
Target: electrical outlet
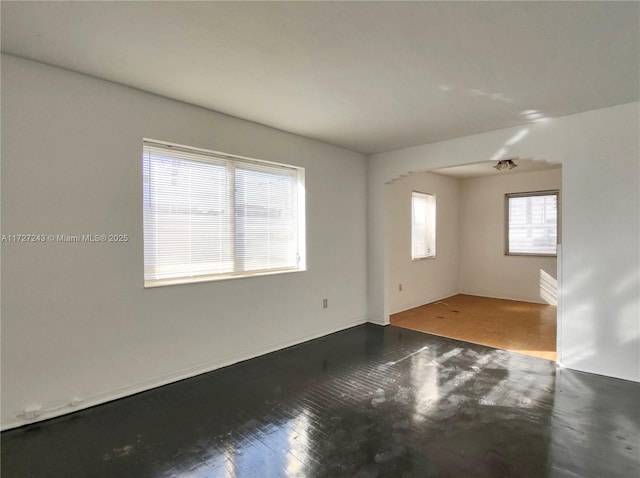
325	303
400	287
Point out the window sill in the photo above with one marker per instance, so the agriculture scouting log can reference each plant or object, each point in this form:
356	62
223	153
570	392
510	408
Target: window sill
152	284
525	254
416	259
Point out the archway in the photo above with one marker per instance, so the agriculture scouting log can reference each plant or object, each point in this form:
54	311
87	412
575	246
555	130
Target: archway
471	259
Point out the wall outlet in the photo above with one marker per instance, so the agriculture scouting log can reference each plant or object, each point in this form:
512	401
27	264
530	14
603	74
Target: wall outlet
400	287
325	303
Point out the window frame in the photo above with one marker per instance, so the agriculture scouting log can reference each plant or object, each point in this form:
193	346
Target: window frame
508	196
430	198
210	157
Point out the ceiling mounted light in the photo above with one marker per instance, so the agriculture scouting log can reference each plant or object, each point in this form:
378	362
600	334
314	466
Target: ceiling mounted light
505	164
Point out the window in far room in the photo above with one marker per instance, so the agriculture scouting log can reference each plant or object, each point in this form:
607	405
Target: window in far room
211	216
423	225
532	223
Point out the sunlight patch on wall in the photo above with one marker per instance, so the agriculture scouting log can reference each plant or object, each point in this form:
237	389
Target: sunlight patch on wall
548	288
628	329
624	289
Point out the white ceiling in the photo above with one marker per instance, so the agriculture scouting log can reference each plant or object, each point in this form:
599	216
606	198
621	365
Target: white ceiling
368	76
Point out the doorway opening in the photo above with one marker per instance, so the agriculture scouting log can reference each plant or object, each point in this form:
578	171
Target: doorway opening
474	290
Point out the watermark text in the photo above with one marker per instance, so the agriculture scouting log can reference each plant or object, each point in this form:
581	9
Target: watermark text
63	238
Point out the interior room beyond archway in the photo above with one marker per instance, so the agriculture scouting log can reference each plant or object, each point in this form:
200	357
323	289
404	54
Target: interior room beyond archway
472	288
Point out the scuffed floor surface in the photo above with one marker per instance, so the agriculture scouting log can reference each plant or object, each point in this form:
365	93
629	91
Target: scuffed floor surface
366	402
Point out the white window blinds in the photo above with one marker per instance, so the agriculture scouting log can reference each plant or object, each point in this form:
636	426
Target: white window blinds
532	223
210	216
423	225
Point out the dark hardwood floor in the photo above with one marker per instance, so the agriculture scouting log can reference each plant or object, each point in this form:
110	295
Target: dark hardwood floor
366	402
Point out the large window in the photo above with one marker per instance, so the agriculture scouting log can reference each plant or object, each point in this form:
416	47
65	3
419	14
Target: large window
532	223
213	216
423	225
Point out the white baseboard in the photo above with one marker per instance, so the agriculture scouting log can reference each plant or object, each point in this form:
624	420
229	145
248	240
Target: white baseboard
378	321
504	298
430	301
177	375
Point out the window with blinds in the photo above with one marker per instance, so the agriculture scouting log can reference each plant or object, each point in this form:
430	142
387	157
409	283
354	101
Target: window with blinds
532	223
423	225
211	216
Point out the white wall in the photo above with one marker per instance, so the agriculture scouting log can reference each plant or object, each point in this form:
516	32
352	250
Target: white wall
76	320
470	241
430	279
484	268
599	330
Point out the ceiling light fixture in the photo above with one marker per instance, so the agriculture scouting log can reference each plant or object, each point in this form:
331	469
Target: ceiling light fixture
505	164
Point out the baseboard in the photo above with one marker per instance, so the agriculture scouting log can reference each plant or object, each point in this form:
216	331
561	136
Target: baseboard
430	301
504	298
378	321
178	375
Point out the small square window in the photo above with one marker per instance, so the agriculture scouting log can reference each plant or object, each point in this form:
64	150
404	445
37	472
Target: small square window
532	223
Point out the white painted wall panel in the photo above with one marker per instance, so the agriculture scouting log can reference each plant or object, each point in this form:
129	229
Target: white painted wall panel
599	330
76	320
430	279
484	268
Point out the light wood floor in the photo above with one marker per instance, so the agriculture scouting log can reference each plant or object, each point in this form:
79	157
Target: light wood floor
522	327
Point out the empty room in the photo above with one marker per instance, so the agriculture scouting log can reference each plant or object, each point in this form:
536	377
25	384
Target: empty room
213	213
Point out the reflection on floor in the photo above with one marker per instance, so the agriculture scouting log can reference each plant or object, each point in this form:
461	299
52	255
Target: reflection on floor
522	327
370	401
